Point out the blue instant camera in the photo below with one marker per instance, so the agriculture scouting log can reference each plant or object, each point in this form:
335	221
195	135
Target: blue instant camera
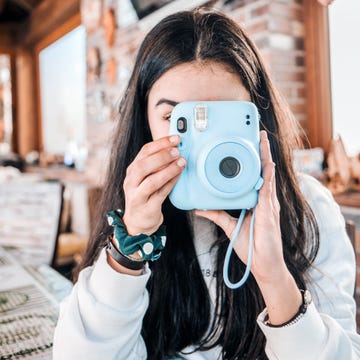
220	142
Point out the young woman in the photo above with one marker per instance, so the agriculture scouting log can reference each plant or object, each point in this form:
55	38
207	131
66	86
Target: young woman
179	306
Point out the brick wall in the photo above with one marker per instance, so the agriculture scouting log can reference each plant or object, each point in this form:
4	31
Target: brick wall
277	28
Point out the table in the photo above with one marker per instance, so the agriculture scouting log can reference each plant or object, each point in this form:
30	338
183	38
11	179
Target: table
350	198
29	306
349	203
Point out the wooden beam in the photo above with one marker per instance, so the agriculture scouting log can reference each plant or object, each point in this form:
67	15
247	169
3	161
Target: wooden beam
23	4
318	79
28	5
60	31
8	36
26	124
45	18
2	4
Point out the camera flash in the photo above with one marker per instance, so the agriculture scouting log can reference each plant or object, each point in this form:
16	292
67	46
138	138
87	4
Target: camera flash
201	118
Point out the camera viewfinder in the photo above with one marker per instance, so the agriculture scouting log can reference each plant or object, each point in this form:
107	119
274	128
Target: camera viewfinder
201	117
181	125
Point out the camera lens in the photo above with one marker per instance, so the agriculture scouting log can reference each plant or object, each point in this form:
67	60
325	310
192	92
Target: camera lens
181	125
229	167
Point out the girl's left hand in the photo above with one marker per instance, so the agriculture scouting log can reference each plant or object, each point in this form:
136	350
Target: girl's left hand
268	265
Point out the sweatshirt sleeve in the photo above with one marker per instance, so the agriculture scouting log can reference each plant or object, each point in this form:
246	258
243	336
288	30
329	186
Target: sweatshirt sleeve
102	317
328	329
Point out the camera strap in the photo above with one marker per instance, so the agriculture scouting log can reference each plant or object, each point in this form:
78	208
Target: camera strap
242	281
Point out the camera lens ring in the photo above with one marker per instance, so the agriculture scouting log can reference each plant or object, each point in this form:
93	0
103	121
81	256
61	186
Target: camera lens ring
229	167
210	175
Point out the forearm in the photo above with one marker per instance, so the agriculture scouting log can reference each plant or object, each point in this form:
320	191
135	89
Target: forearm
282	298
327	330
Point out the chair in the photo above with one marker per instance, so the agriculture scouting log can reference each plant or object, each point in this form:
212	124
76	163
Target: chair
30	214
81	209
351	231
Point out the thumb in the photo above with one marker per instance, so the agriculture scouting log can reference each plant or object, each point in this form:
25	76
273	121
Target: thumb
220	218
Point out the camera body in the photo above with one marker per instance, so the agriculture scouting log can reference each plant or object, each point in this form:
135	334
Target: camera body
220	142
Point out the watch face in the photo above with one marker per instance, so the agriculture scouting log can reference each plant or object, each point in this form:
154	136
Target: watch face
307	298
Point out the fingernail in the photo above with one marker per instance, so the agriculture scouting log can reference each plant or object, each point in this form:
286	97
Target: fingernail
181	162
174	152
174	139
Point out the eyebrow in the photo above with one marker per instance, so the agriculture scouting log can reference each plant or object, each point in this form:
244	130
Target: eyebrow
166	101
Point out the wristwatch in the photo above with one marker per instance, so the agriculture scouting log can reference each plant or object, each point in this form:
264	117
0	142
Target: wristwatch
122	259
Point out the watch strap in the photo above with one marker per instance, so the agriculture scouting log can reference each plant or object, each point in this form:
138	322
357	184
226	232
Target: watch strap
121	259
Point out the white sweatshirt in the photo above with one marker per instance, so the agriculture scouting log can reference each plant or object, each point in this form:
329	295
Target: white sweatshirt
102	317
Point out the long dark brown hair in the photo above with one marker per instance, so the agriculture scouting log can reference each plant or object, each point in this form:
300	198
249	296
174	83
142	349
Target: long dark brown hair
179	312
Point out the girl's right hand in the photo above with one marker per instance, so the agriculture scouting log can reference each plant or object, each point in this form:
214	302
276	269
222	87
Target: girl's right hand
149	180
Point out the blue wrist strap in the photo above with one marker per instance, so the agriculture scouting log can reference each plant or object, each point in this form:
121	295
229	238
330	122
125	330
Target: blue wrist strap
242	281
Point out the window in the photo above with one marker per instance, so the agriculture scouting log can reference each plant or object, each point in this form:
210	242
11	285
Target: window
345	71
5	105
63	92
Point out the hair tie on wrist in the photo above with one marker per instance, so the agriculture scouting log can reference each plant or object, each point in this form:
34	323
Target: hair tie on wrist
149	246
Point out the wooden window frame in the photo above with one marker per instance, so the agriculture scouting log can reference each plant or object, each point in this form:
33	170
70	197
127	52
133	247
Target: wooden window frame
60	31
50	20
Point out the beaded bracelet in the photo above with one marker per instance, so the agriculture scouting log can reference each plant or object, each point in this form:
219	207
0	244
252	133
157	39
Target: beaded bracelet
148	246
306	301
